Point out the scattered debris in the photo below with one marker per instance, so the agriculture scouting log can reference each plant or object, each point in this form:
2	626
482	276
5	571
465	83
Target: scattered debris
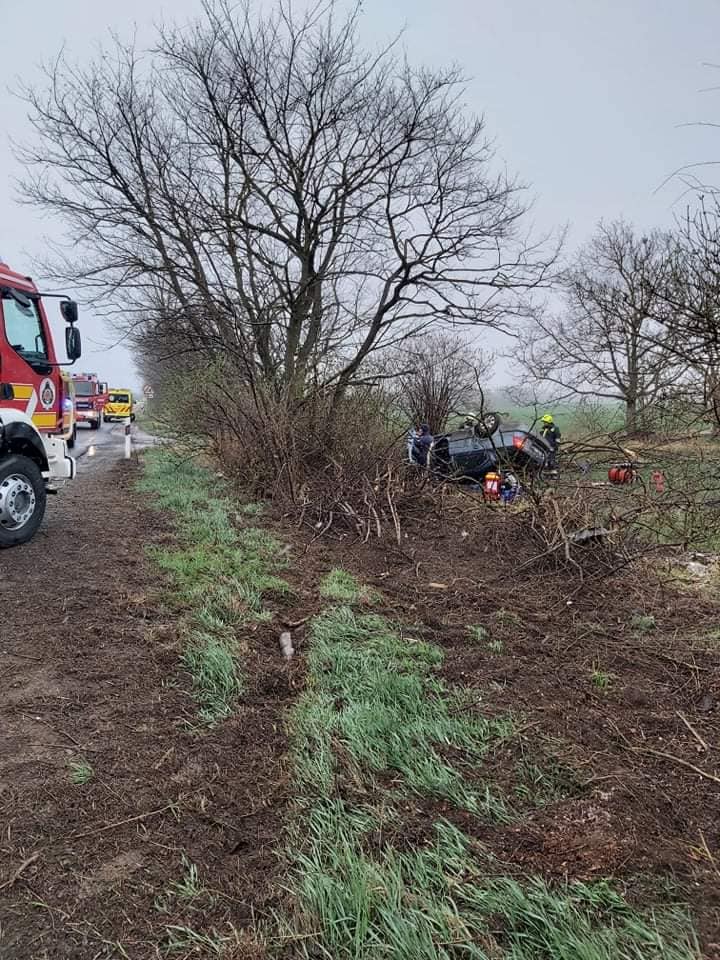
286	645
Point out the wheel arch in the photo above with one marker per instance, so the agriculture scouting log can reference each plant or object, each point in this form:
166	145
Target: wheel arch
22	439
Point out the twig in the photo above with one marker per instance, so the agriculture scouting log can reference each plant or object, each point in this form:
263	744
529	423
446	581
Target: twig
710	857
23	866
692	730
292	624
63	733
120	823
671	756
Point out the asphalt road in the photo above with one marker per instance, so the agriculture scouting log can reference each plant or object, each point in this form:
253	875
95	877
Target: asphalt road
106	444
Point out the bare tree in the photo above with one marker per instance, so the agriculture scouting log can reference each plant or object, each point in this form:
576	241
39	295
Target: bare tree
614	340
436	376
262	191
691	319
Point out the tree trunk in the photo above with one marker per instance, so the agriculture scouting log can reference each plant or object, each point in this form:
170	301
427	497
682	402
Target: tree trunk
631	416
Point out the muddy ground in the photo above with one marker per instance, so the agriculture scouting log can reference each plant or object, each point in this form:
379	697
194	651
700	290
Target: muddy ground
90	670
641	750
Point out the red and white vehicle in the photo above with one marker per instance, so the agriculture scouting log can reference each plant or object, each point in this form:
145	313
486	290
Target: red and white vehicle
91	395
34	397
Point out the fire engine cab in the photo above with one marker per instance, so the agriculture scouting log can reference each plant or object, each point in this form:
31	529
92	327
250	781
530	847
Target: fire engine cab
34	398
90	399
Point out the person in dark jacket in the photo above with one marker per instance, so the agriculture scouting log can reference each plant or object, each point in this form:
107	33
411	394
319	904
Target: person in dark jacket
421	441
550	433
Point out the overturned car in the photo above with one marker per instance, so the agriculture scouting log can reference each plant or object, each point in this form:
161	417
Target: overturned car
483	446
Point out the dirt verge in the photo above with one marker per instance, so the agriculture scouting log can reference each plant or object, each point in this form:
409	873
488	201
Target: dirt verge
91	677
618	682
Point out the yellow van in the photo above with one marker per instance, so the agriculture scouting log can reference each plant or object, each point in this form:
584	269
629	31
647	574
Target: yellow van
119	405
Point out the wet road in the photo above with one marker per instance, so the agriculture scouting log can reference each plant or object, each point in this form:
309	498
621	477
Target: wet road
106	444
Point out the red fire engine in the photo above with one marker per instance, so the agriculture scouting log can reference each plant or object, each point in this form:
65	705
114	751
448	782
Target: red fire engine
90	398
34	399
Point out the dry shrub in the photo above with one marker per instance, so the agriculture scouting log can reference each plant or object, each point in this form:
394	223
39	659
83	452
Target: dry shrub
329	462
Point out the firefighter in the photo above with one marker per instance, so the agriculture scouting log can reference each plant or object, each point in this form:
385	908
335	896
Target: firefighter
550	433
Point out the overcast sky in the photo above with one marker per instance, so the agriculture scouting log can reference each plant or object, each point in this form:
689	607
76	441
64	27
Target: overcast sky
585	99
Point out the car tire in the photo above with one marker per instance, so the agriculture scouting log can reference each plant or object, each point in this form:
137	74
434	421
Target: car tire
488	425
21	485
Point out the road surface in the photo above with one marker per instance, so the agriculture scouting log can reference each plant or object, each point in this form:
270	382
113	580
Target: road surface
106	444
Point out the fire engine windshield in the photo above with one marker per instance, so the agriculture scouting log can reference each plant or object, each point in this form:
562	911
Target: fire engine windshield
84	388
23	329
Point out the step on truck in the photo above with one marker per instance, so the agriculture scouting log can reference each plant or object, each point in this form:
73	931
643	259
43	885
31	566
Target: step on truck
34	398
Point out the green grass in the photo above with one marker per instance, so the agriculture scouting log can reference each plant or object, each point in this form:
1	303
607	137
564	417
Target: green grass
446	902
81	772
478	634
379	697
216	681
375	726
600	678
185	892
341	586
251	509
544	780
187	942
221	576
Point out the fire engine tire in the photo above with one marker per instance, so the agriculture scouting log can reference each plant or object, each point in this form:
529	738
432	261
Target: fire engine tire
95	424
22	500
72	438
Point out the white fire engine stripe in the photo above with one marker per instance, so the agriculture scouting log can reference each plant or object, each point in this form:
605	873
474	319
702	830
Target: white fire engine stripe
32	403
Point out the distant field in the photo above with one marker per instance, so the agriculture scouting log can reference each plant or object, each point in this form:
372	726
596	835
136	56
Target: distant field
571	418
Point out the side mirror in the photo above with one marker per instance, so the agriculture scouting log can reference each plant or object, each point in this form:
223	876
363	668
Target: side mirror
69	311
73	342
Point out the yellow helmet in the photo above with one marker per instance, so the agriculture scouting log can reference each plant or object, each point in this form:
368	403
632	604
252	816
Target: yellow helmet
547	418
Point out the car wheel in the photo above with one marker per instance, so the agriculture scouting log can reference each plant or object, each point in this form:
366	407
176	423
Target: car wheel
22	500
487	424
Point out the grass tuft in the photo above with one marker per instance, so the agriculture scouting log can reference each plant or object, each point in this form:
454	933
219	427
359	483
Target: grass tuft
643	623
600	679
216	681
190	942
508	618
341	586
81	772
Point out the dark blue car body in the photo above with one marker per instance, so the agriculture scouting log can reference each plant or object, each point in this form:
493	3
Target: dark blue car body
466	453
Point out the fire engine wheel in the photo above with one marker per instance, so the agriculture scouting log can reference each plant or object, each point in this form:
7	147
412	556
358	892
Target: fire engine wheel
22	500
95	424
72	438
